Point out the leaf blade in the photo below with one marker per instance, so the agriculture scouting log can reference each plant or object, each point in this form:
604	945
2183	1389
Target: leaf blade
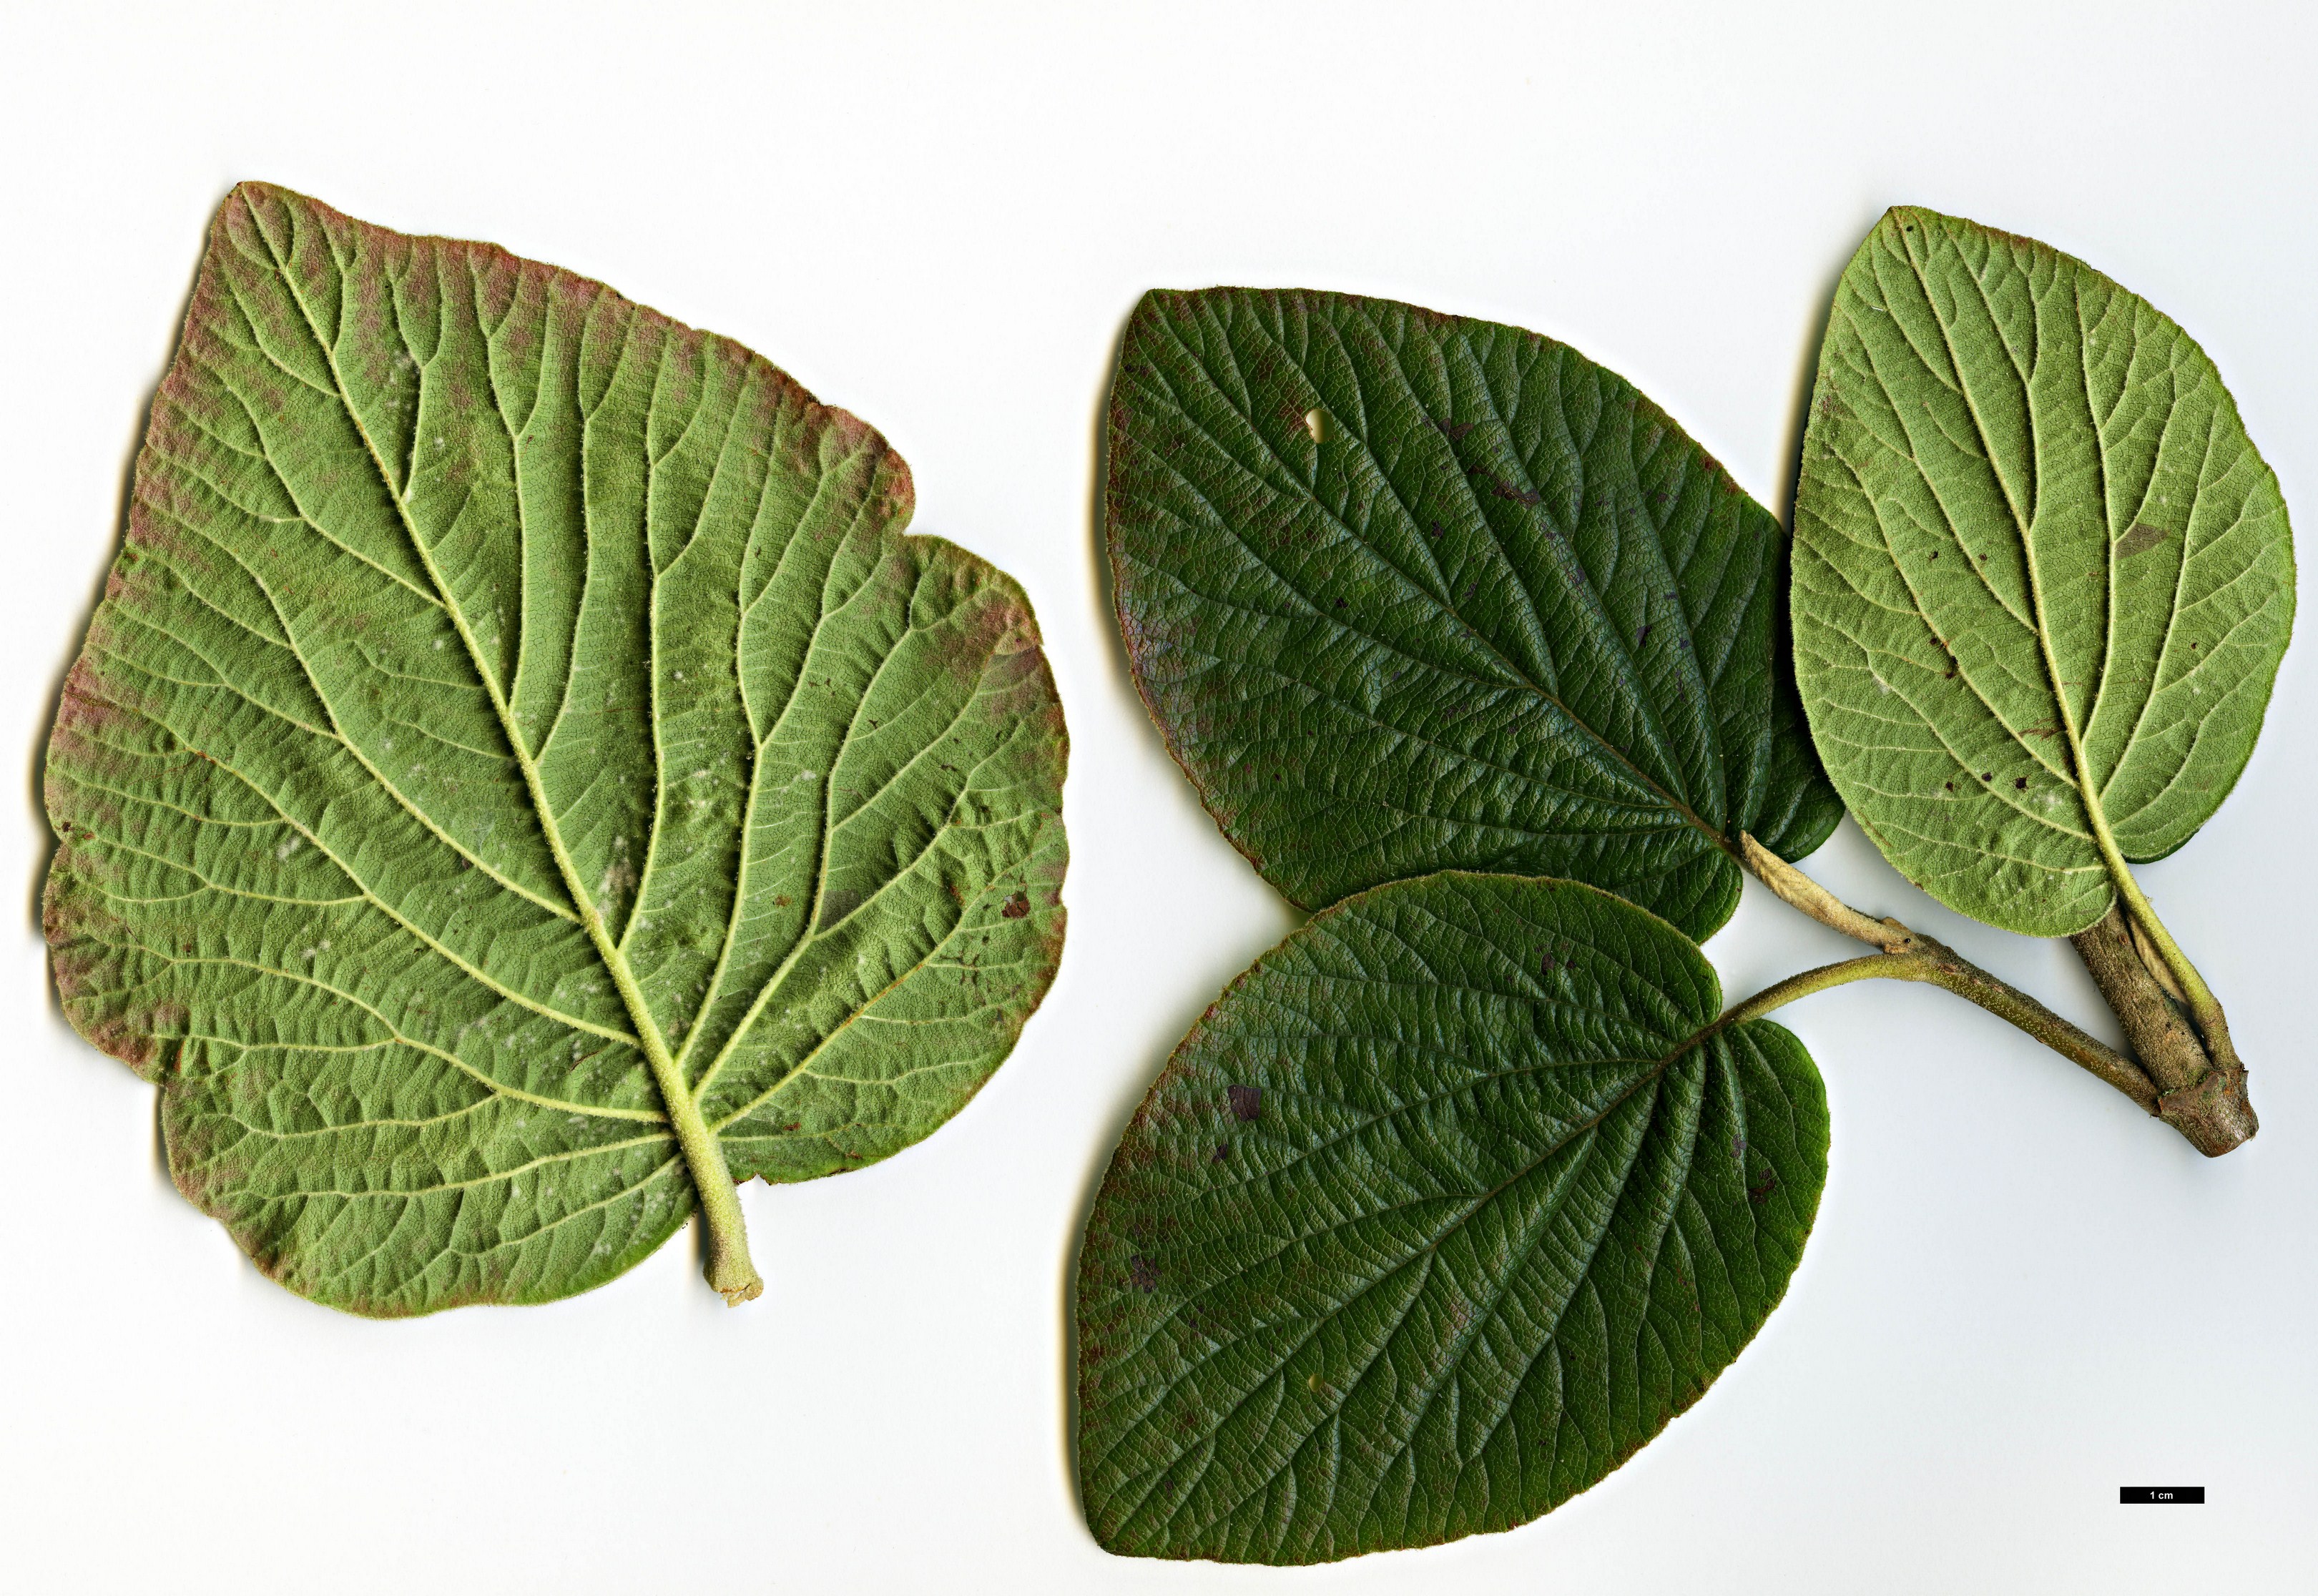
1505	616
430	658
1458	1191
2098	650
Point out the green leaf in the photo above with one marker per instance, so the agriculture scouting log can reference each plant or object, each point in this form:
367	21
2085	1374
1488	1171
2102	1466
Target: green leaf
1444	1209
1405	592
521	779
2043	581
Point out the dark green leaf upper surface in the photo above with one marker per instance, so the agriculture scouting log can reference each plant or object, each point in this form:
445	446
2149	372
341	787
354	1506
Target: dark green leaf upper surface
487	649
1446	1206
2043	579
1405	592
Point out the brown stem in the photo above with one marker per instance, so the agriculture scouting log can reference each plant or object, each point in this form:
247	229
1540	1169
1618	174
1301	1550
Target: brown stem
2203	1097
1934	962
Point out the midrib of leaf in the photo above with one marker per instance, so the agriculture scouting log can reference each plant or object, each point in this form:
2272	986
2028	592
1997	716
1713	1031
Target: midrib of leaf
2081	777
2032	623
705	1158
2108	526
1520	680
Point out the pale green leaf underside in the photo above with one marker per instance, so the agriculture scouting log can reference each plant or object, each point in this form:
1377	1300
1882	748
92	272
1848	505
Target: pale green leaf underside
1450	1204
453	581
1408	592
2043	579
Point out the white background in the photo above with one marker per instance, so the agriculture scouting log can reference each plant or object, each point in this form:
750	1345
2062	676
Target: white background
2020	1294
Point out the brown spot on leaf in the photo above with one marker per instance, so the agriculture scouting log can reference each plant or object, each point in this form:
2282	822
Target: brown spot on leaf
1017	906
1246	1102
1504	489
1143	1273
121	1037
83	705
2139	538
